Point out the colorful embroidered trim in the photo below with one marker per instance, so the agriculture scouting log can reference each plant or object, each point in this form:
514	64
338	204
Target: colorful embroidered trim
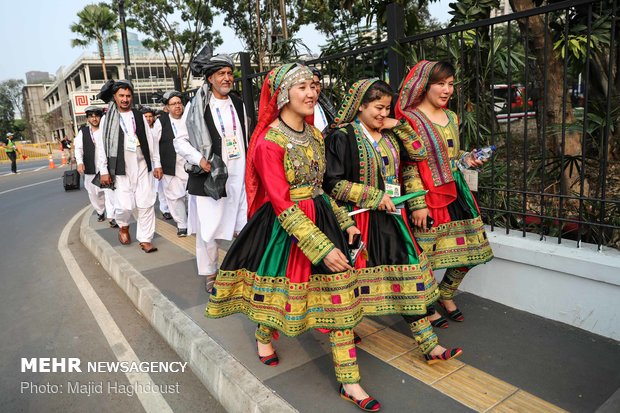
311	241
332	301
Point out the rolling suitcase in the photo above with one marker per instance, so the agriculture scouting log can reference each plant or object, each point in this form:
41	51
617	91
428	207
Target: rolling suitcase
71	180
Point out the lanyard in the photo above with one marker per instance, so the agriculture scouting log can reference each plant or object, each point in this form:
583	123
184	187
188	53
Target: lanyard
234	120
125	127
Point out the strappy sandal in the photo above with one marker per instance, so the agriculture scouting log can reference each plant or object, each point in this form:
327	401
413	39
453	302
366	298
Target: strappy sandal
271	360
455	315
369	404
446	355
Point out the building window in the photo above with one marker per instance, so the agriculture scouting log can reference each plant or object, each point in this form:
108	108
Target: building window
96	73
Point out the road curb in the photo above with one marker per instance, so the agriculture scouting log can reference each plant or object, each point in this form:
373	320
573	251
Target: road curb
228	380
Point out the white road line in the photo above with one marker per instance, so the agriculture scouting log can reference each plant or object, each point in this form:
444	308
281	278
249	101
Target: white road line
151	401
28	186
43	167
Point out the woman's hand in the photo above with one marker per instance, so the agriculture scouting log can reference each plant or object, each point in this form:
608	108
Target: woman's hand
205	165
386	204
474	162
389	123
419	218
336	261
351	232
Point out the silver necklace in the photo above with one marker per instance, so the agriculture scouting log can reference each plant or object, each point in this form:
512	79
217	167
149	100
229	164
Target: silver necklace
297	137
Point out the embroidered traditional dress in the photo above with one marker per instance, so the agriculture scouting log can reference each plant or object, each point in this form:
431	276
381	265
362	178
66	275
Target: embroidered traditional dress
357	173
457	240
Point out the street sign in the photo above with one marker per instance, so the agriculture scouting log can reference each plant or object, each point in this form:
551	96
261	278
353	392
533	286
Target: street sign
81	100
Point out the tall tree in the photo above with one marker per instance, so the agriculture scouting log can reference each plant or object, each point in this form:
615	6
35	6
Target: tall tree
178	41
98	23
12	89
274	37
7	115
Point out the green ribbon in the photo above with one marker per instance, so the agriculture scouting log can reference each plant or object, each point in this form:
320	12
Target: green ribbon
400	199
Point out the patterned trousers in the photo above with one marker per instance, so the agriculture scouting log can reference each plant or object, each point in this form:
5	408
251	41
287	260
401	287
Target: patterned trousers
343	352
451	281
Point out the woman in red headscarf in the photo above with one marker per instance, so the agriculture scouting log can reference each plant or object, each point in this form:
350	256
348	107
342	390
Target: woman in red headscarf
457	240
289	269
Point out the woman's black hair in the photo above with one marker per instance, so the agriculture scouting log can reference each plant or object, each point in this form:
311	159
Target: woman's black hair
376	91
441	71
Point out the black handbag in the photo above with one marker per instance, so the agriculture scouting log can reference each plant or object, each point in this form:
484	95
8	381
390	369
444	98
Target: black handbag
97	182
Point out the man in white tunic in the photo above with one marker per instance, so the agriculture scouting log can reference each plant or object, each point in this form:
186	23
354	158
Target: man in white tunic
324	111
169	125
85	149
127	160
217	132
158	184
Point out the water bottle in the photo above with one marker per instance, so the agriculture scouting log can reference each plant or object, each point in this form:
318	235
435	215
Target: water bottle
479	154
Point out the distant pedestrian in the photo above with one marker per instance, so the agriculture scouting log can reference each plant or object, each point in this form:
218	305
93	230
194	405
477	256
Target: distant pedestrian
214	146
159	185
170	125
127	161
66	145
85	149
11	151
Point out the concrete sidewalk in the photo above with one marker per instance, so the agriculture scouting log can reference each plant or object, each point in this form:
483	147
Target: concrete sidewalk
512	361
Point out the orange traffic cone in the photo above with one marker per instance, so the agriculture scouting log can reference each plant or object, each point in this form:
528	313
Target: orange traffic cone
52	166
64	159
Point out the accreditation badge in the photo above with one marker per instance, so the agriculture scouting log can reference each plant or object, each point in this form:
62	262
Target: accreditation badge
131	143
232	146
392	190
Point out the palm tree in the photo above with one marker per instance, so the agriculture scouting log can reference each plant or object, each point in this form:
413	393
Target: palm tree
97	22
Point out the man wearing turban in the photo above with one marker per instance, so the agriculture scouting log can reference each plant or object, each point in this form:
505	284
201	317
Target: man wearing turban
214	146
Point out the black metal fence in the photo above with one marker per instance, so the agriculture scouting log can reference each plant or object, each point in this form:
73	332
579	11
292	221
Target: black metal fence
542	85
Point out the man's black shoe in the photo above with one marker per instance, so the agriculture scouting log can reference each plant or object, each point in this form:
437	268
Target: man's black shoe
101	217
113	224
167	215
182	232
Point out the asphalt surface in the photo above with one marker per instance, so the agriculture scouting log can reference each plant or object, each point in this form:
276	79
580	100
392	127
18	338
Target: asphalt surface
44	315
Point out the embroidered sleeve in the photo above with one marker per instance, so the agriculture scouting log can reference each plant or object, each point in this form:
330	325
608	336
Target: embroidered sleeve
363	196
412	183
311	241
269	162
342	214
411	141
335	182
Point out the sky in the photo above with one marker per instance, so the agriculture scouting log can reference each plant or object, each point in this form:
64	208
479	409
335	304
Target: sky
36	35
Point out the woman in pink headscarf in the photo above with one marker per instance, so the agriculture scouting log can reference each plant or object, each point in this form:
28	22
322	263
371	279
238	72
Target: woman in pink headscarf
457	240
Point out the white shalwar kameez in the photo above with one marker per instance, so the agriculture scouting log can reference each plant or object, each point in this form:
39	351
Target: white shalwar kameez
320	120
101	199
158	184
175	185
135	188
208	218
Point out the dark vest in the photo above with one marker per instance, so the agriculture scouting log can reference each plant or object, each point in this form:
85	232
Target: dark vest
144	144
167	154
195	183
89	151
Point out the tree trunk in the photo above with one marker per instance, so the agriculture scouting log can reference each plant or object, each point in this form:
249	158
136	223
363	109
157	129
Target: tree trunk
541	44
102	57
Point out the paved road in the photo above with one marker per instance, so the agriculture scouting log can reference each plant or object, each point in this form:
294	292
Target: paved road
44	314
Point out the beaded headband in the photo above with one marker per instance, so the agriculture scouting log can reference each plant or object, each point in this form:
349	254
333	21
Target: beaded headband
295	75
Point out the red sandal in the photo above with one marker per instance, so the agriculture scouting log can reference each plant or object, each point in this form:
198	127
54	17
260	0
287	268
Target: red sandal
446	355
369	404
